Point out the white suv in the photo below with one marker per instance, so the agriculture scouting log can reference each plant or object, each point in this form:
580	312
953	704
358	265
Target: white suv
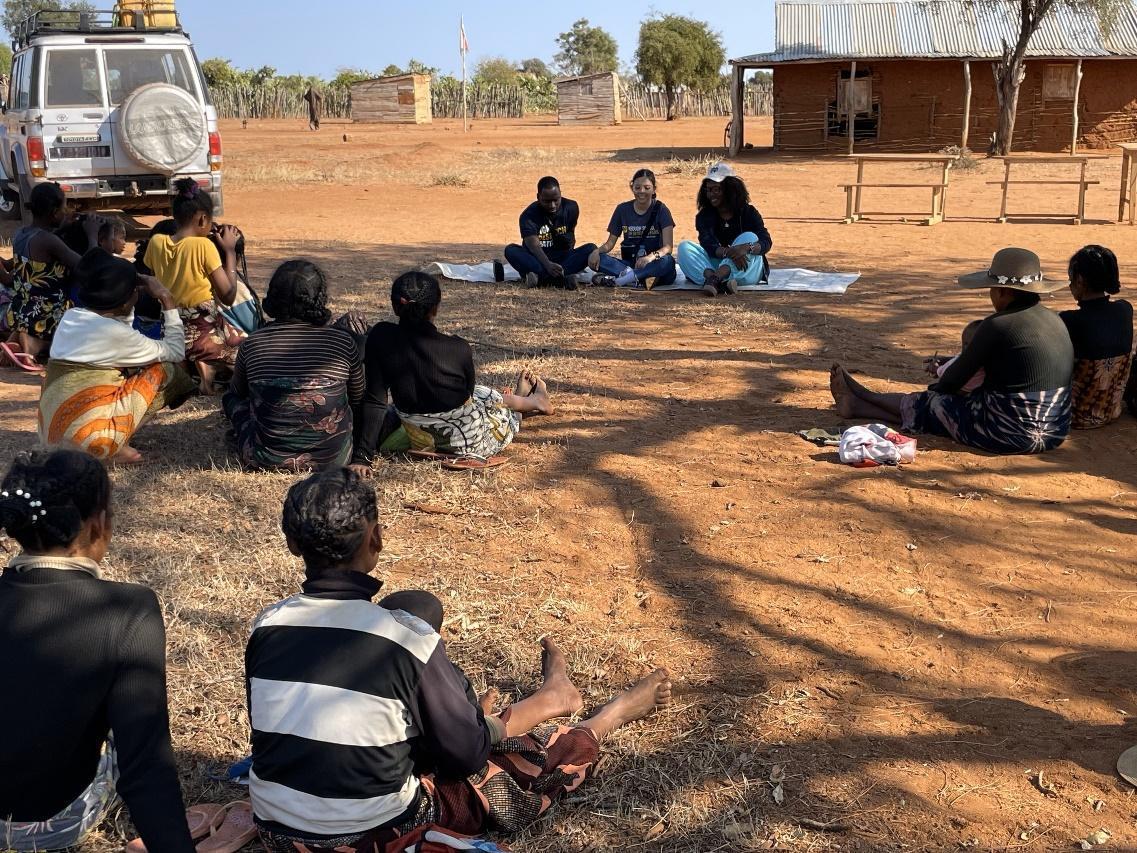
115	114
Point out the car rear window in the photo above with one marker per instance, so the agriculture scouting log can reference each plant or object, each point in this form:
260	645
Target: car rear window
131	68
73	79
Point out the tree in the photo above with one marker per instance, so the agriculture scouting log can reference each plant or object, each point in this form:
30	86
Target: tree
345	77
676	51
219	72
1010	70
262	75
17	11
5	64
586	50
496	71
416	67
536	67
391	70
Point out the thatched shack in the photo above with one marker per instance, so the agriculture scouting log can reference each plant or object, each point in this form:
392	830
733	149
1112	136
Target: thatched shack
403	99
593	99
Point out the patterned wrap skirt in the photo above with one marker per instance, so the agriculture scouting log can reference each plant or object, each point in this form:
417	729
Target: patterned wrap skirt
522	779
68	828
98	409
1098	388
1004	423
480	428
209	336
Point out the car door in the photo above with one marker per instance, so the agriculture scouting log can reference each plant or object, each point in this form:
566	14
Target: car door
76	118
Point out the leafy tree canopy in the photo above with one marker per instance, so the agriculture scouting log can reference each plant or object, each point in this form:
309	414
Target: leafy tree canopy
586	49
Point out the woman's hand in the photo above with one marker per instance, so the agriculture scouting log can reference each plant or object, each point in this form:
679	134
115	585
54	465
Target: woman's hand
362	470
594	260
643	260
227	236
739	254
157	290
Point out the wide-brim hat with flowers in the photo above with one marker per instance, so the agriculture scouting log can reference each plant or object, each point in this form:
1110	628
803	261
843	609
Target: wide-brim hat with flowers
1018	269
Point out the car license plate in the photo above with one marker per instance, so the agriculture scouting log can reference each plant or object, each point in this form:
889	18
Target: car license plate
77	140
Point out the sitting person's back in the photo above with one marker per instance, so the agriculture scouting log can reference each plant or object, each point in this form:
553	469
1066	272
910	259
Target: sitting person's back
1101	330
426	371
82	658
295	380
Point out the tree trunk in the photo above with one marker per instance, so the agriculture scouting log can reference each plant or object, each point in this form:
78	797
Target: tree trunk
1010	72
669	91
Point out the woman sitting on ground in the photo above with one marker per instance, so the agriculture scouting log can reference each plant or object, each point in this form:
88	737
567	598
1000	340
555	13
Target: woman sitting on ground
82	658
430	377
399	739
1101	330
733	240
296	380
648	232
104	377
1023	405
43	264
190	266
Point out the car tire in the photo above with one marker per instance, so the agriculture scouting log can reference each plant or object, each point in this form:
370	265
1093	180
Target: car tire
10	205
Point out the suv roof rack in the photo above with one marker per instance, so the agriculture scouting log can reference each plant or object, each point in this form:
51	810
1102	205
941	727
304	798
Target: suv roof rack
53	22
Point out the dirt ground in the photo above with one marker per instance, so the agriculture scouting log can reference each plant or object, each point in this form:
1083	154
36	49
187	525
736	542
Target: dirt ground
877	659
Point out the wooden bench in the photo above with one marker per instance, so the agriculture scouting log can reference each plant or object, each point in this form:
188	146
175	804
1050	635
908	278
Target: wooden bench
1127	202
1080	182
853	209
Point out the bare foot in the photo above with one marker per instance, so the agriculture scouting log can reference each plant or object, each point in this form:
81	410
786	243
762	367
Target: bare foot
556	680
488	700
857	389
540	397
635	703
842	396
127	455
524	385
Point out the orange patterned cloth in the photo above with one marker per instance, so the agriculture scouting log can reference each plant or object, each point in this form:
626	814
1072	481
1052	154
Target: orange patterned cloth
1098	388
98	409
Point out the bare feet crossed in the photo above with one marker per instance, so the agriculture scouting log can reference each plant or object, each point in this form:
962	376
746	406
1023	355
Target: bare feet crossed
554	670
842	394
635	703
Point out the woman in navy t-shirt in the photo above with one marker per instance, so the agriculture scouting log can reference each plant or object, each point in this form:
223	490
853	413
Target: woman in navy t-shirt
648	231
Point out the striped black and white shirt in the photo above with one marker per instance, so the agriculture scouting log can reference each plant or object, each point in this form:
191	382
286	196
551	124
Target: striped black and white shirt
340	692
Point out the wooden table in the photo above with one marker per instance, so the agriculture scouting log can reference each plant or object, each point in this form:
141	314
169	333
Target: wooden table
853	211
1128	181
1079	160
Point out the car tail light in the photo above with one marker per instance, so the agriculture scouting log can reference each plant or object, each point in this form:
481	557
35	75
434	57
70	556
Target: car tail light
215	152
37	160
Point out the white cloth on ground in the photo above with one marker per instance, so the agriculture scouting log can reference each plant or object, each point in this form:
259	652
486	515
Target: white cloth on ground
84	337
793	279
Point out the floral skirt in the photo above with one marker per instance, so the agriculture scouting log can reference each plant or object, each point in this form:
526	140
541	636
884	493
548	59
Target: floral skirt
1022	422
37	310
68	827
480	428
1098	388
209	336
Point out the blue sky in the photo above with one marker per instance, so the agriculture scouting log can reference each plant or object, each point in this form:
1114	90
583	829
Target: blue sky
306	37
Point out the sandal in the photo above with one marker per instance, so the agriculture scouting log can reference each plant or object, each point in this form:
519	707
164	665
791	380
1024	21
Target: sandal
22	360
451	462
234	832
201	820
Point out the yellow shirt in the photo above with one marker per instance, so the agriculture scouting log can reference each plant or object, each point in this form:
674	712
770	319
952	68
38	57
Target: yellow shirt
184	267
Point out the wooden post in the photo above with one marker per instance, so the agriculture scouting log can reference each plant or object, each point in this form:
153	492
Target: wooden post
736	110
1077	91
850	104
966	103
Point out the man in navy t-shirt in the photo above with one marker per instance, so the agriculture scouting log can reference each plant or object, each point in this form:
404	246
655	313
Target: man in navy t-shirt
548	253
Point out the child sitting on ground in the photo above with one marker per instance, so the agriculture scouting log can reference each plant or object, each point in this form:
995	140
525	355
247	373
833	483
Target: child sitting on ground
936	365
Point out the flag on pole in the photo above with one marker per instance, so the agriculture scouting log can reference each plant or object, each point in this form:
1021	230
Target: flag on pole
463	45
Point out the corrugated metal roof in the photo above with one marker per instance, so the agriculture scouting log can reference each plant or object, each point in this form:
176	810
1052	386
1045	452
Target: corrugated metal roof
935	29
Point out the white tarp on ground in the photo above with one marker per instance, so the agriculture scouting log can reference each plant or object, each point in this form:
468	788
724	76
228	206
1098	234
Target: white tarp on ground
800	280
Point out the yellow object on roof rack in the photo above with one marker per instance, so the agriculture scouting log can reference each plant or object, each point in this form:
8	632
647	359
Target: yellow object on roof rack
156	14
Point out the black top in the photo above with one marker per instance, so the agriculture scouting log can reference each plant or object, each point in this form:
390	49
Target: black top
81	656
714	231
424	370
1024	348
555	231
640	238
1100	328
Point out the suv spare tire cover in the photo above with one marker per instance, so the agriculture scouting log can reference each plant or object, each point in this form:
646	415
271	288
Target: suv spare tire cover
162	127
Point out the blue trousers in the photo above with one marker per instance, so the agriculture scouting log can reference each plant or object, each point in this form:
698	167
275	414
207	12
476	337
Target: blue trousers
694	261
662	269
573	261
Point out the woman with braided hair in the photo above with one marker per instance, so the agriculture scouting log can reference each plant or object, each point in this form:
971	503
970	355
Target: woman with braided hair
365	732
431	381
296	380
82	657
192	269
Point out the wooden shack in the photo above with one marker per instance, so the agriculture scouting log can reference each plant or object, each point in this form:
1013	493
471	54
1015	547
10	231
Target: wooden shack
921	73
403	99
593	99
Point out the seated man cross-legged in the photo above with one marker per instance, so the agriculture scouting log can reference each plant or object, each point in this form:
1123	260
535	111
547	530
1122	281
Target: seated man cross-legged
549	254
363	729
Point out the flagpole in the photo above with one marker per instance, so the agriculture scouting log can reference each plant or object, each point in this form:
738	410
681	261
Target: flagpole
462	50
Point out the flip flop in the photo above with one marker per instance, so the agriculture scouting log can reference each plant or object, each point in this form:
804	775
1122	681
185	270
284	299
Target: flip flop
236	830
459	463
20	359
201	819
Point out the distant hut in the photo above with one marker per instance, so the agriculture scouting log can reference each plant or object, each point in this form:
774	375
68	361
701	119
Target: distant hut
593	99
402	99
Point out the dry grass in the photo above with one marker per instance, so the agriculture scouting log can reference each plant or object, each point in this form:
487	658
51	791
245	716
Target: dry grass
294	174
450	179
690	167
